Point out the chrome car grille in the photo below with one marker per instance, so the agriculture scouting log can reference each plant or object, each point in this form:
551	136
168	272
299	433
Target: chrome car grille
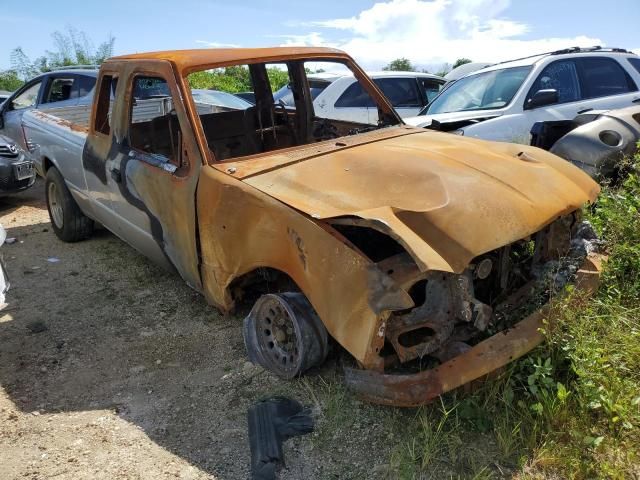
6	151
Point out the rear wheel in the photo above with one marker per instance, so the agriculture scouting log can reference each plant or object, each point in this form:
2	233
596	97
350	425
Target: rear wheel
285	335
67	220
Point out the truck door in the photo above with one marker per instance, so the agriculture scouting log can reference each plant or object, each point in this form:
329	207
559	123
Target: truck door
152	166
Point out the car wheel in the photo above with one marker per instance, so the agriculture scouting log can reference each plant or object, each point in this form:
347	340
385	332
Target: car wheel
284	334
67	220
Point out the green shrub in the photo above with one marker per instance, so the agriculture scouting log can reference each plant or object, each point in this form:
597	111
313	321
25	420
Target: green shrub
235	79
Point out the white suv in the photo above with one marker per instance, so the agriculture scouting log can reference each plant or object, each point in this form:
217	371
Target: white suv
503	101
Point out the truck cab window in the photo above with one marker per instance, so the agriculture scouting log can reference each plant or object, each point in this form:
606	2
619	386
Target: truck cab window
154	127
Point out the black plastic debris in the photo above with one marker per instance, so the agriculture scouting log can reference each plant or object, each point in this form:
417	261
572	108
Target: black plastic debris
37	327
271	422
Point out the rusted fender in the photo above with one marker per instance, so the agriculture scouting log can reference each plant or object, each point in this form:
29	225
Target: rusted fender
495	352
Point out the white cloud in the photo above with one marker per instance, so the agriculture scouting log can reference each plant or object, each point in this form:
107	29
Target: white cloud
433	32
207	44
306	39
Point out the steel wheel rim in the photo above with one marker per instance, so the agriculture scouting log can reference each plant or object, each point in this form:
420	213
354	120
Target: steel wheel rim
55	205
278	336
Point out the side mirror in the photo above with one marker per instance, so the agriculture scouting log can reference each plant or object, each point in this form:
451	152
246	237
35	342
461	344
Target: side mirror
547	96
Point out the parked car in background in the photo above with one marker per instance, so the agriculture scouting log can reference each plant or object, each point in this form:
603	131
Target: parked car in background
408	92
341	97
464	70
59	88
219	99
318	82
16	170
247	96
503	101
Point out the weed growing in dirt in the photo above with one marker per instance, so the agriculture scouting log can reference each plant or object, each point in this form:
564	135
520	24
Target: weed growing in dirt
570	409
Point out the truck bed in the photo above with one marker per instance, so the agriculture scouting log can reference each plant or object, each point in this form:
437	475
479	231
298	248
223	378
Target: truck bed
75	117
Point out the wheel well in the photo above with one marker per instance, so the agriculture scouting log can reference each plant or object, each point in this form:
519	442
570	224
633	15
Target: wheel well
46	164
246	288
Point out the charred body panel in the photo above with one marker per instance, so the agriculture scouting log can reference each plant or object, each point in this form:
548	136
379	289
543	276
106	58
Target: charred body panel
410	390
155	208
339	282
446	199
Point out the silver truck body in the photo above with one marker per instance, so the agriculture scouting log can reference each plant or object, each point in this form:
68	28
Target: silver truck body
56	137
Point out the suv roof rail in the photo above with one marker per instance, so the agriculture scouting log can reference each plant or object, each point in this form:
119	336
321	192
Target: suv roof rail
596	48
76	67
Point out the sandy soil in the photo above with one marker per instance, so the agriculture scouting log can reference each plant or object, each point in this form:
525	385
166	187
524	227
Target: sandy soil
112	368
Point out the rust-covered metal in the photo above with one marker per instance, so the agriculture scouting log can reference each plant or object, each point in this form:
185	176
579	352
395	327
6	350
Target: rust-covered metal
412	390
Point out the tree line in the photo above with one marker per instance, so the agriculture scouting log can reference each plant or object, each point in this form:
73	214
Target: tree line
70	48
405	65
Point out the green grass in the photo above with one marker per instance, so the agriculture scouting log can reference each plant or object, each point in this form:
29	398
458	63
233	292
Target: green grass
570	409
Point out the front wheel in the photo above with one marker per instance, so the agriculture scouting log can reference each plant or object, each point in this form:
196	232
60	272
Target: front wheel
67	220
284	334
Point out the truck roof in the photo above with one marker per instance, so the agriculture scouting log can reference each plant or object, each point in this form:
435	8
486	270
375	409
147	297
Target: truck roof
189	60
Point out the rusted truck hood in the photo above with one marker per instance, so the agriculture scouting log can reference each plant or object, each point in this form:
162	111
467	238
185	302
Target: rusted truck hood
446	198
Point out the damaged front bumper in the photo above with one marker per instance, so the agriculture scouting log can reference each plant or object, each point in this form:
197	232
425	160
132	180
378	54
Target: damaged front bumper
410	390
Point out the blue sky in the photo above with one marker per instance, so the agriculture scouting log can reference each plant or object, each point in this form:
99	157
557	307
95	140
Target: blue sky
429	32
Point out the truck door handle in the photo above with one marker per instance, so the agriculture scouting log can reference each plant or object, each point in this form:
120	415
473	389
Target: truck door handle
636	100
116	175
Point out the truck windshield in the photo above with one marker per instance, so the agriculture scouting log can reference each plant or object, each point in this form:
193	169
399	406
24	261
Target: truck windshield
290	107
480	91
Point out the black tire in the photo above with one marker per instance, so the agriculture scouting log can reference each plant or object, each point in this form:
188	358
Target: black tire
67	220
284	334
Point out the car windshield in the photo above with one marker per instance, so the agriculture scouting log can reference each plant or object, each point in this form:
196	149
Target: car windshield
285	95
480	91
221	99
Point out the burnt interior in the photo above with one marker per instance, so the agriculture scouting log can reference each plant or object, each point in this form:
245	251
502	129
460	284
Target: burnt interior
271	125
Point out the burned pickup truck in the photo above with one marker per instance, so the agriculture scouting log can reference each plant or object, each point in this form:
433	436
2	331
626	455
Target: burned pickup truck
399	243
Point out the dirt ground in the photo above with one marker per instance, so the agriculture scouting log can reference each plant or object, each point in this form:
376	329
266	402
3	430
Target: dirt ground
111	367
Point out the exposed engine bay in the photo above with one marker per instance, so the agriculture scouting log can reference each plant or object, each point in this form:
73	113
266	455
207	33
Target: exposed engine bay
453	312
